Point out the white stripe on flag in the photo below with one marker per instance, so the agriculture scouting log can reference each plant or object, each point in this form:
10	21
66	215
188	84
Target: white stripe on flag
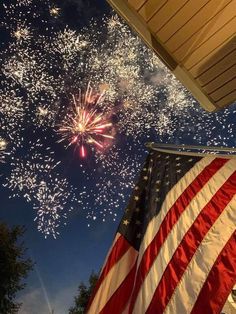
177	233
118	235
191	283
113	280
169	201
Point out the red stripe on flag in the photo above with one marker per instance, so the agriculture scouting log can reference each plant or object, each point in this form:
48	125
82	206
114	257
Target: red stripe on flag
189	245
120	298
169	221
220	281
120	247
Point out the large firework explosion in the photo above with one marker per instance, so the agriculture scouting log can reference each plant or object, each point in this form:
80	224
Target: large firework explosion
45	66
86	124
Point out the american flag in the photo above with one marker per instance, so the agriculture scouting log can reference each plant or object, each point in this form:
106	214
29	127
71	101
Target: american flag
175	248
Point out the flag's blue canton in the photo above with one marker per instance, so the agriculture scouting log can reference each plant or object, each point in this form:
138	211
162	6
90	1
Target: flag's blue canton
159	174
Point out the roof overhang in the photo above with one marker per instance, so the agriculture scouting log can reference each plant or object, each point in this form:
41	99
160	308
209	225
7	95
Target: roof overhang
195	39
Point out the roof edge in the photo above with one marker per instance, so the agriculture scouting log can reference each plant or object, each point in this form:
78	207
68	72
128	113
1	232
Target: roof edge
138	25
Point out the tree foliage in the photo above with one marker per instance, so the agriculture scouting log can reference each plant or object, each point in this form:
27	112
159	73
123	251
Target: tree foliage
84	293
13	267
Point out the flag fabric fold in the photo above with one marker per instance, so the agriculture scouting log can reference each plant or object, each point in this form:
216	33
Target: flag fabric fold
175	247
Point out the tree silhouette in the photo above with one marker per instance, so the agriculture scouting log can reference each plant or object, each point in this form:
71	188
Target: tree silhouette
13	267
84	293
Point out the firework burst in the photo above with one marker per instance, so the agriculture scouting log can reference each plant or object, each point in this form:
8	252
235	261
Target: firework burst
34	178
86	124
54	11
51	199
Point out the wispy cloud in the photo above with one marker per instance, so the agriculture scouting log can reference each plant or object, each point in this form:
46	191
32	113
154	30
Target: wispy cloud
64	300
33	302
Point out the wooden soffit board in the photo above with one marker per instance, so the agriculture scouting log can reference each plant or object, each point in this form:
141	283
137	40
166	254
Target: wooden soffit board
195	39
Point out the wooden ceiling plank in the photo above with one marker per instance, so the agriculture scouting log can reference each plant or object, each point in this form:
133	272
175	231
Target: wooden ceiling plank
227	100
136	4
221	80
198	21
181	18
165	14
224	90
150	8
227	62
226	32
206	33
214	57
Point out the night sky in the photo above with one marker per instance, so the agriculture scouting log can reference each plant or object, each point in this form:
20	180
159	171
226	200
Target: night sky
144	103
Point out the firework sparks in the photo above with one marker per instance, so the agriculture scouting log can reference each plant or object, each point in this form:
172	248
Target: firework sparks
24	2
12	112
51	199
34	178
3	146
22	33
86	125
43	64
26	172
55	11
